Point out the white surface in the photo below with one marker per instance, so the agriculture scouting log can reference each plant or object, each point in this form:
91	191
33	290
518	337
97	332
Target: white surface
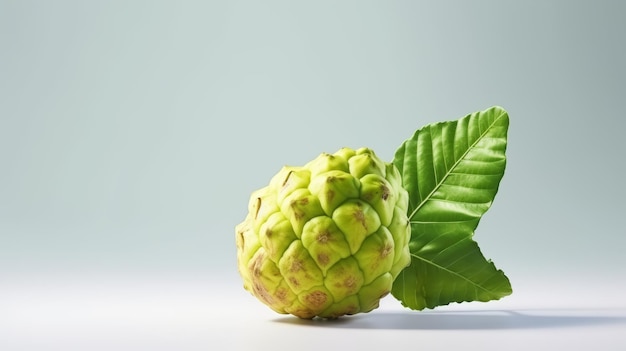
132	133
191	313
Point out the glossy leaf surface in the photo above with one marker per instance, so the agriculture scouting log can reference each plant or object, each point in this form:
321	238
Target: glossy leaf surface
452	171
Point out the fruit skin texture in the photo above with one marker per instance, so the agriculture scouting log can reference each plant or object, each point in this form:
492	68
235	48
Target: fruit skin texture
326	239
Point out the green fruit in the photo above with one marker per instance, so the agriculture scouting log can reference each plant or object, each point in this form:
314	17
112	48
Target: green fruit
326	239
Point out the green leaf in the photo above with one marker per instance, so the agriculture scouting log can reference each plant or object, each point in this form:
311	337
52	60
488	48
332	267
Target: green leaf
452	171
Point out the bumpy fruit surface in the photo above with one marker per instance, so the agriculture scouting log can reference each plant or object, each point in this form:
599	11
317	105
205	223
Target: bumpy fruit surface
326	239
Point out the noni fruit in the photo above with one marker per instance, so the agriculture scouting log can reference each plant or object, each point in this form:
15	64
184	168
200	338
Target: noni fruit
326	239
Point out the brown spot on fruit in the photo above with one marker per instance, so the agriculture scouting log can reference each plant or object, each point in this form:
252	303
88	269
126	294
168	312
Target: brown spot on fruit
303	314
385	192
295	204
316	299
281	294
294	281
360	217
242	240
258	207
261	292
351	309
287	178
323	259
350	282
386	250
296	266
322	237
330	195
256	265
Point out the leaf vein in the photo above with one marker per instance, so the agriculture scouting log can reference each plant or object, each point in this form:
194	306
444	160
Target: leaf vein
456	163
471	282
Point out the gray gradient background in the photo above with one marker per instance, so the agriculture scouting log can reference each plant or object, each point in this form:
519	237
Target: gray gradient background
132	132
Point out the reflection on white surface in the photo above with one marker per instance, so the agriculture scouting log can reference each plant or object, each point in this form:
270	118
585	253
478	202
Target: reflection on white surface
195	313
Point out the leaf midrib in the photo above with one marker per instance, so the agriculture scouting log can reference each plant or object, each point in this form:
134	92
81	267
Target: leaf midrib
455	274
456	163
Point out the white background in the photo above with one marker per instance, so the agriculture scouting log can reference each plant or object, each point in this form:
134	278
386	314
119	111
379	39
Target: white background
132	133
